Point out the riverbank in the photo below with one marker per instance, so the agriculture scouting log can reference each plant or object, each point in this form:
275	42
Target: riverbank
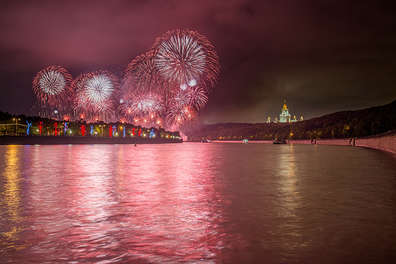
385	142
61	140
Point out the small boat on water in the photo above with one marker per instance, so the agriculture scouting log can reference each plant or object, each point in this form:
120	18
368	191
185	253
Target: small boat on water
280	141
245	141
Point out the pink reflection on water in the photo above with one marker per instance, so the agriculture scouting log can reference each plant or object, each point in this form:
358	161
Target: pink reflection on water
150	204
173	212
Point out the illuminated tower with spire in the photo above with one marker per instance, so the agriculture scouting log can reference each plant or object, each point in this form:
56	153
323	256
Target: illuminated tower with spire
284	116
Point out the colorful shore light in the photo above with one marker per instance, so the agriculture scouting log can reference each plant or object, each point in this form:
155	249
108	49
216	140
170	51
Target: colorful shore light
28	126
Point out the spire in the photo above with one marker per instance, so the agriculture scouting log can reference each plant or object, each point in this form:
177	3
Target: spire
284	105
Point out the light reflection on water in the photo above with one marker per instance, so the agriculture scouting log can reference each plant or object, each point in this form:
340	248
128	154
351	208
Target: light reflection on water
291	223
213	203
10	201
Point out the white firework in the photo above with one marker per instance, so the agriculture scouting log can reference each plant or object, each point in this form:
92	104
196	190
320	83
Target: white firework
51	87
52	82
181	58
99	88
96	94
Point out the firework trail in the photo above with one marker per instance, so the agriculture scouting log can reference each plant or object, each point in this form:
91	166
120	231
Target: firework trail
51	87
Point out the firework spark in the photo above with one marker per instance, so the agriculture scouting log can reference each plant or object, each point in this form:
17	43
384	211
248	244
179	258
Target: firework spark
142	105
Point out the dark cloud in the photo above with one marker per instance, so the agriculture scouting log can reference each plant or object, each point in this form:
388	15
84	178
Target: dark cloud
322	56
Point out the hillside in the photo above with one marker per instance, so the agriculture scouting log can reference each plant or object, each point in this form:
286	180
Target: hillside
345	124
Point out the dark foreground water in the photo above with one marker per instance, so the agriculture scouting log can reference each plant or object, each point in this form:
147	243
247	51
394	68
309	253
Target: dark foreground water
192	202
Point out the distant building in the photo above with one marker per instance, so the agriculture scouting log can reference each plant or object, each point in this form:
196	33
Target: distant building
284	116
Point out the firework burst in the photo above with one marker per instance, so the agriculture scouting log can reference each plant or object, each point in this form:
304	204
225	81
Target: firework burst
141	75
51	87
78	87
195	97
96	93
186	58
184	106
168	84
176	116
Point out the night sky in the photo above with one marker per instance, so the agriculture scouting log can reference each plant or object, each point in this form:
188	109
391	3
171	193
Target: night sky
321	56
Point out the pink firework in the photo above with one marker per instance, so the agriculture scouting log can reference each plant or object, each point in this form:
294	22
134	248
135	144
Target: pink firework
195	97
78	87
184	106
96	93
51	87
177	116
141	75
142	105
186	58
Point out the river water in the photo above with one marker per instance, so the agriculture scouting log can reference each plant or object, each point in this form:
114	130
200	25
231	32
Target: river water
197	202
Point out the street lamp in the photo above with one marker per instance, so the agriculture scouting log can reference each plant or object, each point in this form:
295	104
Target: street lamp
16	124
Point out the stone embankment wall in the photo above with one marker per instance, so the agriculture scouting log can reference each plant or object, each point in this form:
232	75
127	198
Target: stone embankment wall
338	142
385	142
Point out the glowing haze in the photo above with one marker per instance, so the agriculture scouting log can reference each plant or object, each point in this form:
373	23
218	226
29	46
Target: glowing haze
322	56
